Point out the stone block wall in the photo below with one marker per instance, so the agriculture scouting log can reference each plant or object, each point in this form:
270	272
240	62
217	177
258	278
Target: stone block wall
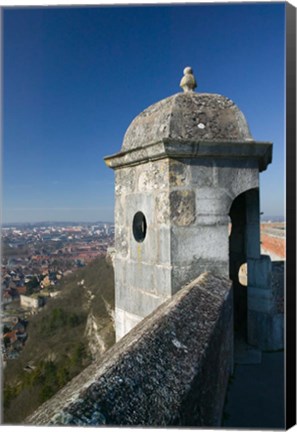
142	269
186	203
200	195
171	369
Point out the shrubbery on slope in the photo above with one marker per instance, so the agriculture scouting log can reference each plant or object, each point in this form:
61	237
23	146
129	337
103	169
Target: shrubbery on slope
58	346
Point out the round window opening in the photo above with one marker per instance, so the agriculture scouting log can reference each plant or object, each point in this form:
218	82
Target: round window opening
139	227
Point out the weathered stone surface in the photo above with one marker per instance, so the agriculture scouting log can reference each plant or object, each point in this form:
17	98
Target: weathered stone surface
238	176
182	274
192	116
143	202
260	300
162	214
163	249
213	201
265	304
253	240
203	172
278	271
178	173
182	207
212	219
266	330
253	207
124	181
151	176
138	301
142	275
121	240
120	275
171	369
125	321
260	272
191	244
261	152
184	162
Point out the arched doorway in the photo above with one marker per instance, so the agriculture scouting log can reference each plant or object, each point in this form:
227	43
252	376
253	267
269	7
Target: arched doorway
244	244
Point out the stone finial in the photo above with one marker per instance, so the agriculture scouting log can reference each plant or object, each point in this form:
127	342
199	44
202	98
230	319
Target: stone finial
188	82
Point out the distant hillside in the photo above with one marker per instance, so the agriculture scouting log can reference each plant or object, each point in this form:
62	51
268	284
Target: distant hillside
64	337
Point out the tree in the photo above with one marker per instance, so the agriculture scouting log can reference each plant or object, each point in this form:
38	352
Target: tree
6	329
32	285
46	392
78	354
6	341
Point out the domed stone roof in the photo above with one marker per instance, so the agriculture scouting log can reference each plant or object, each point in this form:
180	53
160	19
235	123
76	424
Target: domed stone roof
188	116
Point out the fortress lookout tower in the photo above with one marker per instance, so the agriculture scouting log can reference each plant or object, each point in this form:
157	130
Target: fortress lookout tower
188	167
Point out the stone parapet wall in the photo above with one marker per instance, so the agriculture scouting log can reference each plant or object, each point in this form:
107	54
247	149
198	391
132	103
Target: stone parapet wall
171	369
266	304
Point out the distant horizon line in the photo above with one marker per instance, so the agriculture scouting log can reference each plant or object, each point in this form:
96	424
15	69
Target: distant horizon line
262	217
57	222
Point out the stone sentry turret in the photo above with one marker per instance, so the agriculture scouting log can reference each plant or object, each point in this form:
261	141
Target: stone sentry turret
187	165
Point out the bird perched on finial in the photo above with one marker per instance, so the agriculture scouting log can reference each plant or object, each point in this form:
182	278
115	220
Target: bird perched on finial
188	82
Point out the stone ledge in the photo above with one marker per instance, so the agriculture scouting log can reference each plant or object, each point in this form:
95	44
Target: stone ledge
171	369
174	148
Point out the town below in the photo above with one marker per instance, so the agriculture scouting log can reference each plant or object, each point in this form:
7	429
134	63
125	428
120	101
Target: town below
35	259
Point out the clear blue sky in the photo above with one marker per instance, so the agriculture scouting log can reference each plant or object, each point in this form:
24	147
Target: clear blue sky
74	78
